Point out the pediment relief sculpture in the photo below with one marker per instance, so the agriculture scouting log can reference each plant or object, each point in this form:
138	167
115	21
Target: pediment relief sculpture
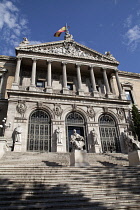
72	49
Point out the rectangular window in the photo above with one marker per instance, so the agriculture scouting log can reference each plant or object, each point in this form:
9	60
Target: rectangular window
129	95
40	83
70	86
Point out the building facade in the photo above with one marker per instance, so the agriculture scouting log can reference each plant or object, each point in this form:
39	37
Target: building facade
50	89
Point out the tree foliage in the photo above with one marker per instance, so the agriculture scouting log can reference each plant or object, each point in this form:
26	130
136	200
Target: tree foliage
136	121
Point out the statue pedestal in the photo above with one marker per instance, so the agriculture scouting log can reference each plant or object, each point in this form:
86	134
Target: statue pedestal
2	146
97	149
134	158
60	147
17	147
78	158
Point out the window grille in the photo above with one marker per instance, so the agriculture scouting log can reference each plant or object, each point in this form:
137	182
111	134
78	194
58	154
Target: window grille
39	131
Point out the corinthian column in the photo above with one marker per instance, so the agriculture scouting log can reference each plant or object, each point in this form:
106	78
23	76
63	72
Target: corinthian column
17	73
80	91
65	89
49	77
106	81
33	76
121	94
93	83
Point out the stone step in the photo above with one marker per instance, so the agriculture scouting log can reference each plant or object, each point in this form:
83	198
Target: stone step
69	202
63	158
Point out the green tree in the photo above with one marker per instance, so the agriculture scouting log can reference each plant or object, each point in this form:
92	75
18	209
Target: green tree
136	121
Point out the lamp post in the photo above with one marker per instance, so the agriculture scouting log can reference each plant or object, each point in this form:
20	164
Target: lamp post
4	126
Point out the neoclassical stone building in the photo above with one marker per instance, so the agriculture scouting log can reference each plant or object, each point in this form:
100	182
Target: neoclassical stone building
50	89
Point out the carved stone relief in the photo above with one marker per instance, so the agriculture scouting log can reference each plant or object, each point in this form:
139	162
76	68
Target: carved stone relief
90	112
71	49
39	104
21	108
120	113
74	107
58	110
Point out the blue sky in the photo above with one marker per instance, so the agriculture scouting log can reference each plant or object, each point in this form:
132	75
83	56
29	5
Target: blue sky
103	25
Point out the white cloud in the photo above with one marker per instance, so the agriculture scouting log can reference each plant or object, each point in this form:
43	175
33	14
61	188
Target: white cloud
128	21
12	25
132	37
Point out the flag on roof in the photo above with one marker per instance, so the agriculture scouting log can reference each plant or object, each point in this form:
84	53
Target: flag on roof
58	33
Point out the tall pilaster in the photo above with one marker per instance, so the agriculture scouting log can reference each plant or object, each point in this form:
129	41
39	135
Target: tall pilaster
121	94
80	91
49	76
65	89
93	83
17	73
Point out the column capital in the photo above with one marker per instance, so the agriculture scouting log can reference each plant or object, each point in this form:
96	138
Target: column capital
64	63
103	68
116	70
19	58
78	64
49	61
34	59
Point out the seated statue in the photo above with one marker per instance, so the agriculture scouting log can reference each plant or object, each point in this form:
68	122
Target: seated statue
131	143
77	141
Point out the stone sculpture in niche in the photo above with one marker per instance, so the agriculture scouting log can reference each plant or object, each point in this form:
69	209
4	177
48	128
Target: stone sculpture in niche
94	137
77	141
58	135
18	132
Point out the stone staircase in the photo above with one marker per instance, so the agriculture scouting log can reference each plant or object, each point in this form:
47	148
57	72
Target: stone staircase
62	159
28	182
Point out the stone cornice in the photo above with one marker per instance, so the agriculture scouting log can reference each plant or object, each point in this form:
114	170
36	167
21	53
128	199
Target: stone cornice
67	59
130	74
7	58
65	98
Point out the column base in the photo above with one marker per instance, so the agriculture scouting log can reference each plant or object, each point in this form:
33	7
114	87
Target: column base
32	88
109	95
80	92
15	86
48	89
65	91
95	94
122	96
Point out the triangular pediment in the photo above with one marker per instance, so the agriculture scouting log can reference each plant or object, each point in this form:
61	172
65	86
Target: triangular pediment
70	49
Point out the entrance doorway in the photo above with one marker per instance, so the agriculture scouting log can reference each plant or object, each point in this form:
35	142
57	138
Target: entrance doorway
109	134
75	121
39	132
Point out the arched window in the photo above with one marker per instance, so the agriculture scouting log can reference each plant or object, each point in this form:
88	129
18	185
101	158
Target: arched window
109	134
39	131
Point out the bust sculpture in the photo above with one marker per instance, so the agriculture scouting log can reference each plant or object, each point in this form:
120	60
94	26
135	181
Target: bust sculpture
77	141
